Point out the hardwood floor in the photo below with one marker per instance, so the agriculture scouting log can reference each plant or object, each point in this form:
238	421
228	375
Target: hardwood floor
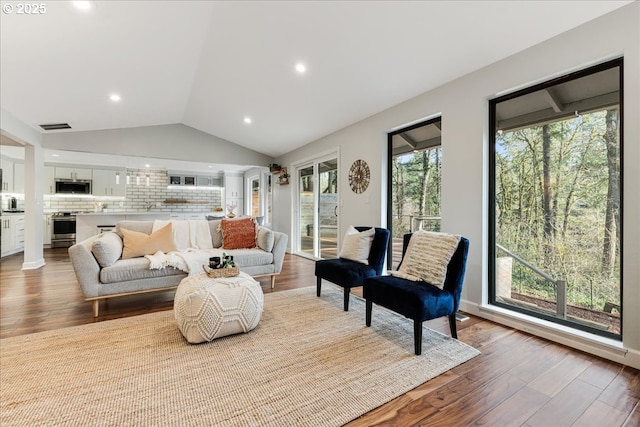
518	380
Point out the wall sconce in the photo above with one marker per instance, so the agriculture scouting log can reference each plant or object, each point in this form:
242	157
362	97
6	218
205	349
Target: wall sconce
117	178
128	178
148	180
137	179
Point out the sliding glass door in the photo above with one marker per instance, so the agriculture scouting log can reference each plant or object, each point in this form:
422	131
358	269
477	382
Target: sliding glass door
317	213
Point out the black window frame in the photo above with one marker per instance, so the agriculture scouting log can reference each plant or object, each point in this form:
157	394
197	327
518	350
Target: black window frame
618	62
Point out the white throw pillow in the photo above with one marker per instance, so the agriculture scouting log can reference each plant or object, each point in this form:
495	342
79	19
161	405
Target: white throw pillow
357	244
427	257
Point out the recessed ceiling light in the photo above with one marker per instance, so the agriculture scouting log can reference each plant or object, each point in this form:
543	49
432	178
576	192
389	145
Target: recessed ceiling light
115	97
147	165
301	68
247	120
83	5
55	155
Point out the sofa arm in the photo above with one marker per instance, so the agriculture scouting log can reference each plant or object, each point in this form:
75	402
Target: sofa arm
279	249
86	267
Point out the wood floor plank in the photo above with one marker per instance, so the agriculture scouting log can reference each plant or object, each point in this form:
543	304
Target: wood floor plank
623	392
464	411
600	414
566	406
514	411
561	375
511	379
634	418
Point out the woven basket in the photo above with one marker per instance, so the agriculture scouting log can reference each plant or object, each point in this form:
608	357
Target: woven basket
223	272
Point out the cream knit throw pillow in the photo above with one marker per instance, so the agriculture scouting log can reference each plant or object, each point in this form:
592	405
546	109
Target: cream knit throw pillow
357	244
427	257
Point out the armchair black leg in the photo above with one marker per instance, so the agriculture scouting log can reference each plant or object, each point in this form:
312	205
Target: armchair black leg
318	285
452	326
368	312
417	337
347	291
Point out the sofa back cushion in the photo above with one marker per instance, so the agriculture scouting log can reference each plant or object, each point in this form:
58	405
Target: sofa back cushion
265	239
145	227
107	249
139	244
238	233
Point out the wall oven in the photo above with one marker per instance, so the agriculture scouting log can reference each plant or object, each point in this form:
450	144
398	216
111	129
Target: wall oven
64	229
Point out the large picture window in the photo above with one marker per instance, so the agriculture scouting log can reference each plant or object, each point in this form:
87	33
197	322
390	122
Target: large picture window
415	165
555	210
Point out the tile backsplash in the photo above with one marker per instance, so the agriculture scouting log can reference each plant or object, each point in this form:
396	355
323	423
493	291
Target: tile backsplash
139	197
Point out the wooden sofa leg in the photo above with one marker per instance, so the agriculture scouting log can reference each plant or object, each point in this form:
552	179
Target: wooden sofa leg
368	312
452	326
273	281
96	307
318	285
347	291
417	337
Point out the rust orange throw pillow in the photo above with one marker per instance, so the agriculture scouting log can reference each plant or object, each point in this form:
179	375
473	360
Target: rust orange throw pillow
238	233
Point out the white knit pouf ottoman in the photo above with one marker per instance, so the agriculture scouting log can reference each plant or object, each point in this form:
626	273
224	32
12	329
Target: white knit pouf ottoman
207	308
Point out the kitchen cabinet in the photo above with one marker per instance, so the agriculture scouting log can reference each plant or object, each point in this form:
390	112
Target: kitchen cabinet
182	178
18	178
12	234
47	229
7	175
234	194
72	173
108	182
49	184
209	181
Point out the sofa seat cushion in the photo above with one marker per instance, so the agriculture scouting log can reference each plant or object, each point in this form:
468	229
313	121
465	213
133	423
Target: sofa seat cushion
250	257
345	272
415	300
134	269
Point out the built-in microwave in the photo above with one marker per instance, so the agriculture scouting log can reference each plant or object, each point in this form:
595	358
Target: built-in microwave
70	186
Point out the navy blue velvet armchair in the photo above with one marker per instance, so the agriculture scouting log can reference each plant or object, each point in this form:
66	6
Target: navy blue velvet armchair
419	300
350	274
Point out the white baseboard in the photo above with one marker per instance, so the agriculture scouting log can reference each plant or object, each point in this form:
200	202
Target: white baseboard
593	344
33	264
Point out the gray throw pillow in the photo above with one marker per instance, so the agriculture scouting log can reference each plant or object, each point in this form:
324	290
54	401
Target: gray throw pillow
216	233
265	239
107	249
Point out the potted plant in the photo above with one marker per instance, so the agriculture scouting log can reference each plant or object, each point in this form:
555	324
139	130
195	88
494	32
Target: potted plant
284	176
274	167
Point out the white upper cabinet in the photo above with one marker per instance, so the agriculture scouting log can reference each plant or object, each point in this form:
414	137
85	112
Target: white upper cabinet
108	182
49	185
72	173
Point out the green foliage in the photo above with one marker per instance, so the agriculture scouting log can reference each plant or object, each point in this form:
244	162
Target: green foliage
572	248
416	189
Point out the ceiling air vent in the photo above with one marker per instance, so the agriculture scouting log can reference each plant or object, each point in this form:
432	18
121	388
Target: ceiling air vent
56	126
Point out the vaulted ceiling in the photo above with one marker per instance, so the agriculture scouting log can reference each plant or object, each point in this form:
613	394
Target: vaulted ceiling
211	64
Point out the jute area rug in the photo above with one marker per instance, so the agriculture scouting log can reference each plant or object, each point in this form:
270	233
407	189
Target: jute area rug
308	363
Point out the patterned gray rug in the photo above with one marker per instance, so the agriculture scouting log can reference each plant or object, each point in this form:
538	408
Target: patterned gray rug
308	363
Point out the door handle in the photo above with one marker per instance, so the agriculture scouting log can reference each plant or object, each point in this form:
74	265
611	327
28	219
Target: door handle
335	210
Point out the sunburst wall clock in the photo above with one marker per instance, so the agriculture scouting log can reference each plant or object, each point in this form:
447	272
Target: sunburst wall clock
359	176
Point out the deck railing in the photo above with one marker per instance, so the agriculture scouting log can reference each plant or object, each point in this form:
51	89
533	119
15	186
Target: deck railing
560	285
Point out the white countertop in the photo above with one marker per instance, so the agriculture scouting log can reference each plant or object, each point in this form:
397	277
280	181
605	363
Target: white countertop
124	213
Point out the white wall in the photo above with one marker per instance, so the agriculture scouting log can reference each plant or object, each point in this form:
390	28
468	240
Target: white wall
33	170
463	105
175	141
